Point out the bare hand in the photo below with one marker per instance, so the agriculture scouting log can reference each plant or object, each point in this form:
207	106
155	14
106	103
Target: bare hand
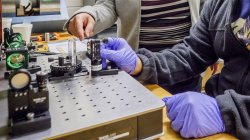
81	25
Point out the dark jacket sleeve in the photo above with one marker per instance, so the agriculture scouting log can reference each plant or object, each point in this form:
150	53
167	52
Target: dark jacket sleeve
202	4
235	110
185	60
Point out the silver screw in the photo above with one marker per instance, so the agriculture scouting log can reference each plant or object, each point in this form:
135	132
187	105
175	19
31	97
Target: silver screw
30	116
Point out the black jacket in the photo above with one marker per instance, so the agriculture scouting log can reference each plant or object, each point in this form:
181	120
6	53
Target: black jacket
211	38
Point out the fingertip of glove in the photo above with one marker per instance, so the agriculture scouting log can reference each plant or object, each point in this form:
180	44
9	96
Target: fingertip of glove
165	99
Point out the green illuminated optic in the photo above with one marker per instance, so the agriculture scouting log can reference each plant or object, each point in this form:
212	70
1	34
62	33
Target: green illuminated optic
15	45
16	60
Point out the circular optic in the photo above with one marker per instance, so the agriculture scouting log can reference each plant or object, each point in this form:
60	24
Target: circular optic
16	60
20	79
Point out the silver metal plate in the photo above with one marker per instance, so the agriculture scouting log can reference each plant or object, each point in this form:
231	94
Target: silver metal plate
86	102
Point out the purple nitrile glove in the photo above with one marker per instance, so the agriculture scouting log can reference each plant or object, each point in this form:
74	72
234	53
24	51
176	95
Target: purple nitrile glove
194	114
119	51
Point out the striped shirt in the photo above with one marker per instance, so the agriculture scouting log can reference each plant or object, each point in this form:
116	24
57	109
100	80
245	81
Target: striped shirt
164	23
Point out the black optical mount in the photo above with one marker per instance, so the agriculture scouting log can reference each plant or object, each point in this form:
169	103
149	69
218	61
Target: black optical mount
94	53
28	102
62	68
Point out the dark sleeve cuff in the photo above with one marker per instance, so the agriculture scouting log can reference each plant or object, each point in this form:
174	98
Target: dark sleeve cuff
234	110
148	73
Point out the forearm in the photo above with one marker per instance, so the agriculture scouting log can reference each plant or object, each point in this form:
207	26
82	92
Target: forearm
171	66
185	60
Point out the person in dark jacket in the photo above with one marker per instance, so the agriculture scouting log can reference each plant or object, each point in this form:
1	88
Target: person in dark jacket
223	31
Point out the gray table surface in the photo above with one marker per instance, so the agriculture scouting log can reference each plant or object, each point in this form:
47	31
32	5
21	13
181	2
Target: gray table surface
86	102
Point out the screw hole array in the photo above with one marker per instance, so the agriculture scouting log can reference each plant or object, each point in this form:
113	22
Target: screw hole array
87	96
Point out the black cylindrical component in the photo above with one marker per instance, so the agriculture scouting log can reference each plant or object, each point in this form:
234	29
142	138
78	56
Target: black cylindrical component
96	60
42	78
61	61
6	37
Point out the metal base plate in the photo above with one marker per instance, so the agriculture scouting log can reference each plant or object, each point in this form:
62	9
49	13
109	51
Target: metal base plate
84	103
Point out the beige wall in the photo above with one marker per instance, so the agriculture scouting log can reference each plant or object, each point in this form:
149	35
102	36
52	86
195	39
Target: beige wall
73	5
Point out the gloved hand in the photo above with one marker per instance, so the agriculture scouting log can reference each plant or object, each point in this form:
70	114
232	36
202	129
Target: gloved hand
119	51
194	114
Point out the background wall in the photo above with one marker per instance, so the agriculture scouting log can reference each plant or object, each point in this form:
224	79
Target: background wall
73	5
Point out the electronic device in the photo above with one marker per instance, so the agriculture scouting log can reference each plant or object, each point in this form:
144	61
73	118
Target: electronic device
94	53
45	15
28	102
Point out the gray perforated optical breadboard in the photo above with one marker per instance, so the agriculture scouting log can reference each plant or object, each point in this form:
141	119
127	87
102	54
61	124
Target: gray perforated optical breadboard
84	103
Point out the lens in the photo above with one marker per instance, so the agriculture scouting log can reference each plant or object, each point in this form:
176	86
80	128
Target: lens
16	60
20	80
